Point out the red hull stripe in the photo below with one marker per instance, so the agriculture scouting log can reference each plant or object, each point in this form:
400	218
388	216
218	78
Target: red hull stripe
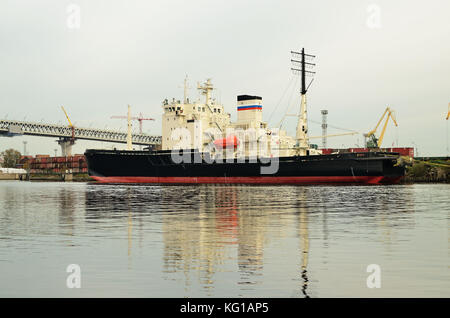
250	180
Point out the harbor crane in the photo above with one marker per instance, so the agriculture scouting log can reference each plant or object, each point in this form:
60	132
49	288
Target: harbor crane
375	142
139	118
68	119
67	143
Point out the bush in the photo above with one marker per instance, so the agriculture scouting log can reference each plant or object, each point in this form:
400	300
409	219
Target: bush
418	170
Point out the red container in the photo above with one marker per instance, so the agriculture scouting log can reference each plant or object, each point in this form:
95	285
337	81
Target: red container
358	149
404	151
327	151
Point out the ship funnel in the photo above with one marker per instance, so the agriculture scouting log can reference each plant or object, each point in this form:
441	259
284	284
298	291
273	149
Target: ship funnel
249	109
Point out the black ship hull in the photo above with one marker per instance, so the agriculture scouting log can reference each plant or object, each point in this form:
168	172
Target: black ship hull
118	166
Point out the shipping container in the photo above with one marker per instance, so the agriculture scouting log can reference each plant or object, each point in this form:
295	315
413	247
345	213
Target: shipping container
404	151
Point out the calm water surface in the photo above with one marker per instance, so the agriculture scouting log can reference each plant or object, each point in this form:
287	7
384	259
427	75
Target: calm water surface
223	241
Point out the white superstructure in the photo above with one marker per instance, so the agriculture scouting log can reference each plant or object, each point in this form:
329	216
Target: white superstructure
197	125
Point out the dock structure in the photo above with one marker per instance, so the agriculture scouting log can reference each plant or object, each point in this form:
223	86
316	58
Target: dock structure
66	136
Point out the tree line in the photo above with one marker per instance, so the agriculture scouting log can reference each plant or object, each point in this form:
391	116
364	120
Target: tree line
11	158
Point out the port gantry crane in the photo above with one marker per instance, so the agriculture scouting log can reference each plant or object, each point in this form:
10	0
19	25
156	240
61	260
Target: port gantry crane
375	142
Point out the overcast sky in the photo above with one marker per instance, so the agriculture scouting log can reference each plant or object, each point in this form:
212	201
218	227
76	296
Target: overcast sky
370	55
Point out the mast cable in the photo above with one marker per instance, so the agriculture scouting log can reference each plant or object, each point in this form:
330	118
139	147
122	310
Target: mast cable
282	96
289	105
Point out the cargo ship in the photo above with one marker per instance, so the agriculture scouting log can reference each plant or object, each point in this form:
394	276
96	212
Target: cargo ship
122	166
200	144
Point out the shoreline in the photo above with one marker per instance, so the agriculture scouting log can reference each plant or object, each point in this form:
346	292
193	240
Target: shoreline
420	172
428	171
58	178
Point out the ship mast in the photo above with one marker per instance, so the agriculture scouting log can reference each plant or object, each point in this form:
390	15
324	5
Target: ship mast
206	89
186	87
185	90
129	137
300	67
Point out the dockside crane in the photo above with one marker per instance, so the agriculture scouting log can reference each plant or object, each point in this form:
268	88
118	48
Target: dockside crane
373	141
139	118
67	116
67	143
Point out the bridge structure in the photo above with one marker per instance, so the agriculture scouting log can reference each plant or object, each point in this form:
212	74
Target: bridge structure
67	135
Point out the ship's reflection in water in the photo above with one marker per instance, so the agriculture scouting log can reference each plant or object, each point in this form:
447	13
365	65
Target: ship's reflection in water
211	230
219	227
223	240
246	235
